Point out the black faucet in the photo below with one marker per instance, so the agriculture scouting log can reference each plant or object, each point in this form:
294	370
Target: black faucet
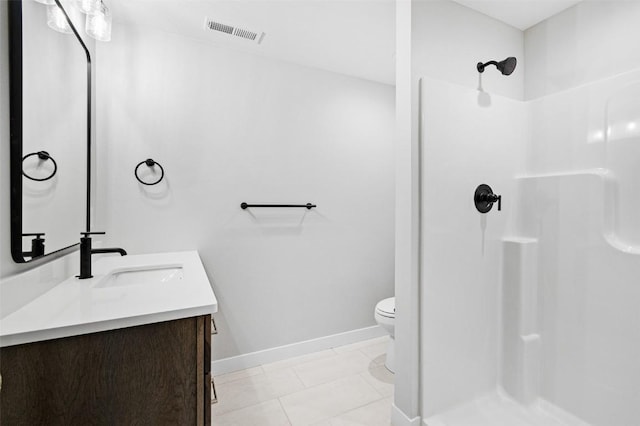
86	251
37	245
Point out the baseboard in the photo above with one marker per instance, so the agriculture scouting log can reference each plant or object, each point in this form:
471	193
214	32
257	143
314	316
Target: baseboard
253	359
399	418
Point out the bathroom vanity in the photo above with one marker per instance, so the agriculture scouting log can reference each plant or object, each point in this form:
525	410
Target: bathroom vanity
130	346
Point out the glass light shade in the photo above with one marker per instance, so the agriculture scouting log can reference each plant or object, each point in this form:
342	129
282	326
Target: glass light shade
98	26
57	21
89	7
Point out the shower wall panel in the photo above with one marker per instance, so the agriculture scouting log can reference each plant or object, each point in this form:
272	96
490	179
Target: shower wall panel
468	138
538	302
581	207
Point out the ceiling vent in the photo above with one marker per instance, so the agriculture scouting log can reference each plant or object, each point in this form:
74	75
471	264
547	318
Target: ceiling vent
227	31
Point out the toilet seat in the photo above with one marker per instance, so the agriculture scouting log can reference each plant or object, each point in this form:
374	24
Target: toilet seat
387	307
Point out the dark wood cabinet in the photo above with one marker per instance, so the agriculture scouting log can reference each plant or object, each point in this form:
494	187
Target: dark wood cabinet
153	374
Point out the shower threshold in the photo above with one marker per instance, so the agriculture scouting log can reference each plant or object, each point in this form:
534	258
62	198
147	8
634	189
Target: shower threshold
497	409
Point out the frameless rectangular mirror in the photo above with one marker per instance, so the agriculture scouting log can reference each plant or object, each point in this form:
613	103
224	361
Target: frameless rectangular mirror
49	131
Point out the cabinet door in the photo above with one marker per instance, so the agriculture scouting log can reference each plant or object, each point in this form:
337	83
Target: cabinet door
138	375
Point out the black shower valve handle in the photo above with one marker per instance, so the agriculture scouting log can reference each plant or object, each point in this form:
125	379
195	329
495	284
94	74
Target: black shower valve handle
484	198
492	198
497	198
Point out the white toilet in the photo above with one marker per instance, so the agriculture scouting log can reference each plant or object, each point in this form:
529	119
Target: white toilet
386	318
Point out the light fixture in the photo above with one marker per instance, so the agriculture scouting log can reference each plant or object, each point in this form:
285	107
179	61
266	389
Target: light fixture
57	20
98	25
89	7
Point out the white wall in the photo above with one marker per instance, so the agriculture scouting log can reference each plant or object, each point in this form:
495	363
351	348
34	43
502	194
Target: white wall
587	42
449	39
406	406
230	127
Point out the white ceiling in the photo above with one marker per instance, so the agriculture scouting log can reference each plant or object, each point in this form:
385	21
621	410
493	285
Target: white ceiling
356	38
352	37
521	14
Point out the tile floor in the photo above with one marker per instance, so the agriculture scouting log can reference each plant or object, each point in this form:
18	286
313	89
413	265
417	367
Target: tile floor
343	386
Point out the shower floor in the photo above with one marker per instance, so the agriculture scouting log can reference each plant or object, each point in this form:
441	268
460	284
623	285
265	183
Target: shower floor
499	410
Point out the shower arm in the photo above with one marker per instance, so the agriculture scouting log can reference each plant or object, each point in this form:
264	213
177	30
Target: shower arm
482	66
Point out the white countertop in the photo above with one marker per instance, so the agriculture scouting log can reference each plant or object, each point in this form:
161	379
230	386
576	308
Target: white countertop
76	306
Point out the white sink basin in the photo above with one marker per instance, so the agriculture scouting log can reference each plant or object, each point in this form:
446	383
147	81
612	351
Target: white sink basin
154	275
126	291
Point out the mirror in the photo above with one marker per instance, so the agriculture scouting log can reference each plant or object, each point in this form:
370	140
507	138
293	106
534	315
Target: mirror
49	132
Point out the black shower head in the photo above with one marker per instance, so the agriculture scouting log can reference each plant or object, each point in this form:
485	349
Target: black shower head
506	67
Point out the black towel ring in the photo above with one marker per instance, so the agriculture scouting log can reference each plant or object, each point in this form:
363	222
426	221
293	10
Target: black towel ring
150	163
42	155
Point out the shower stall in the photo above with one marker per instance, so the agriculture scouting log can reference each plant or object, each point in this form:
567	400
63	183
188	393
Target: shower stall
529	315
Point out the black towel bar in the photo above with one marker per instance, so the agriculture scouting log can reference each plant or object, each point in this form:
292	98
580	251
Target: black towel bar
309	206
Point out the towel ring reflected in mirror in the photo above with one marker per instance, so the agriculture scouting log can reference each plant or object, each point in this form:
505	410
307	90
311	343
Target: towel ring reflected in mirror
43	156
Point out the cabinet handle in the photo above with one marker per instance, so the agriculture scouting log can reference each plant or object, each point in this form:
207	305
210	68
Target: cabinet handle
214	395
